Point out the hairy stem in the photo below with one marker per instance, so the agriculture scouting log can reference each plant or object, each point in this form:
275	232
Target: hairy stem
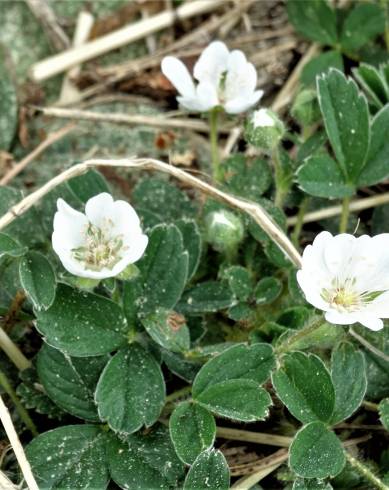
213	139
182	392
6	385
366	473
289	343
281	189
344	216
369	346
300	221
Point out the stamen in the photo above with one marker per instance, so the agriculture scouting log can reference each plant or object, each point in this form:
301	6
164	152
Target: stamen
101	249
343	296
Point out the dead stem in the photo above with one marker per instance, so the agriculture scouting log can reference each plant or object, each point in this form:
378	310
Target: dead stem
254	210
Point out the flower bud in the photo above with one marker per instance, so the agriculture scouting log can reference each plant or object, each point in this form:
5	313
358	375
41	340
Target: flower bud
305	109
264	129
224	230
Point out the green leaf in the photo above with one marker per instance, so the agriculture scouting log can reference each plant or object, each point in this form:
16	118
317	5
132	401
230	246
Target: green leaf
70	381
240	281
320	65
181	367
33	398
20	229
377	164
210	470
145	461
267	290
10	246
237	399
163	199
8	105
132	291
316	452
164	269
131	390
373	83
192	243
315	20
363	23
168	329
346	118
229	384
246	177
301	484
240	361
88	185
192	430
383	409
321	176
347	363
82	324
304	385
206	297
72	456
312	146
38	279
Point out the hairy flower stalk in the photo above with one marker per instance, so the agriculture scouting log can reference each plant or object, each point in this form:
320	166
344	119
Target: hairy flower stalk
348	278
100	243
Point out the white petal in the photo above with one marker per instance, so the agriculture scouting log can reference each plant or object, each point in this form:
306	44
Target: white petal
99	208
242	104
241	76
177	73
380	306
125	218
193	104
137	249
69	226
311	289
371	322
207	95
338	254
212	63
340	318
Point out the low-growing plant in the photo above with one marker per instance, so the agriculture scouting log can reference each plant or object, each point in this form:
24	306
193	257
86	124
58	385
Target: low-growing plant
189	315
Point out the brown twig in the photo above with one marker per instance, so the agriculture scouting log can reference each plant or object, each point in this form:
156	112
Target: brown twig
13	310
69	92
51	139
278	457
133	32
46	16
17	447
357	205
129	119
256	437
254	210
6	484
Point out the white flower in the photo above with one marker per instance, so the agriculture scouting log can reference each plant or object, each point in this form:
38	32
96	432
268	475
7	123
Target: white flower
348	278
225	79
263	119
100	243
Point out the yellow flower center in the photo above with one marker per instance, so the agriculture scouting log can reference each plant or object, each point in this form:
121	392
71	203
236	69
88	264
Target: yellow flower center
101	249
344	298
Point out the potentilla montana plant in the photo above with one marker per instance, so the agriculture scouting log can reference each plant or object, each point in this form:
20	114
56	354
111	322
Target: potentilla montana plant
348	278
100	243
168	323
